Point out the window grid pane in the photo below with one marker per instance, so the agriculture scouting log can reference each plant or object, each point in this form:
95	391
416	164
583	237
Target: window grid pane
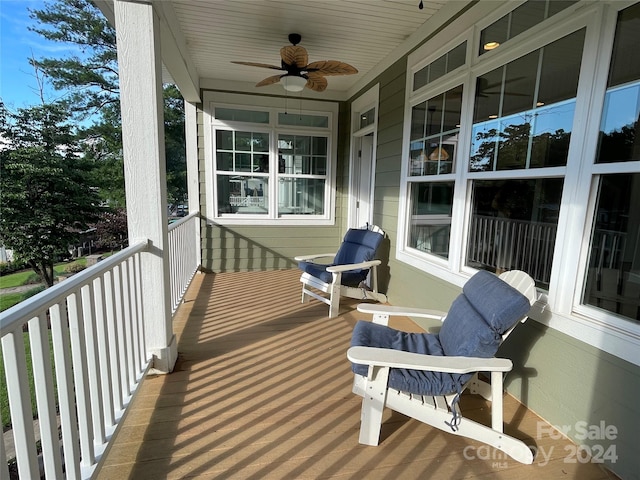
240	151
515	129
518	21
613	276
441	66
430	226
513	226
435	124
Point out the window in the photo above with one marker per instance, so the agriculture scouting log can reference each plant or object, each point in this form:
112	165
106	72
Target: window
446	63
435	125
613	276
518	21
513	226
523	118
538	168
270	166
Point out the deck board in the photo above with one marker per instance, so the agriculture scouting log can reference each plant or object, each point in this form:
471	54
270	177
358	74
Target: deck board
262	389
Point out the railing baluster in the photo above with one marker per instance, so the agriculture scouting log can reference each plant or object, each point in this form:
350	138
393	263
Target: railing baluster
122	340
66	400
112	334
93	363
103	351
136	358
81	379
15	367
45	397
140	325
128	318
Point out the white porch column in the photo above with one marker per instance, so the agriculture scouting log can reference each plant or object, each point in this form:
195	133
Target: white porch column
140	73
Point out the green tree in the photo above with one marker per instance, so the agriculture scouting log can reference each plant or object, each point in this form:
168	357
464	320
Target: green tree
175	145
91	72
44	193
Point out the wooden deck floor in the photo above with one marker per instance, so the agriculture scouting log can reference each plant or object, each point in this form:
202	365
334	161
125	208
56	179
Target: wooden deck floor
262	389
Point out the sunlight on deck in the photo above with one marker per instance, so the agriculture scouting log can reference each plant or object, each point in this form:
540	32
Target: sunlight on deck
262	389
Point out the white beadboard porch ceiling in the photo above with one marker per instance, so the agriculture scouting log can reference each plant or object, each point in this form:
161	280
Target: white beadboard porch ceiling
362	33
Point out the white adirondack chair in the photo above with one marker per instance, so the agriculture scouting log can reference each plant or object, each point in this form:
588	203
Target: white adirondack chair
344	273
439	410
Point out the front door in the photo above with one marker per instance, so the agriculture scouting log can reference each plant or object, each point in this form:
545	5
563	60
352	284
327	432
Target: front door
363	182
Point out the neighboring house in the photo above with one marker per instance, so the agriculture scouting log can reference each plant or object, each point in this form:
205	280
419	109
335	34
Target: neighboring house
501	135
6	256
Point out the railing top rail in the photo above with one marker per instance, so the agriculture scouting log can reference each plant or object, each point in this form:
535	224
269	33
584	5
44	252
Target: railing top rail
512	220
31	307
183	220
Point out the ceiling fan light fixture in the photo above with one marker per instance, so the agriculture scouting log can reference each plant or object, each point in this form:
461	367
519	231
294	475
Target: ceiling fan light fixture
293	83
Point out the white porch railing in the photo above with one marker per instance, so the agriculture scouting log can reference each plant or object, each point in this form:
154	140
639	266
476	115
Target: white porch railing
513	244
184	255
92	325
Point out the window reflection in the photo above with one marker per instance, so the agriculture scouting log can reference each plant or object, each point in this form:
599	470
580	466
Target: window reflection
301	196
524	110
435	124
619	139
613	277
513	226
532	139
519	20
430	227
242	194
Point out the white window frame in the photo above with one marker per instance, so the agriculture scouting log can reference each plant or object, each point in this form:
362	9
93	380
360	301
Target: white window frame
560	307
275	106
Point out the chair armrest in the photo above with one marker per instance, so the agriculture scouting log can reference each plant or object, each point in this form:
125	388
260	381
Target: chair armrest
386	357
400	311
353	266
302	258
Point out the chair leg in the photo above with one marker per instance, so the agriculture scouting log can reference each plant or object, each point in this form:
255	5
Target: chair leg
373	405
334	296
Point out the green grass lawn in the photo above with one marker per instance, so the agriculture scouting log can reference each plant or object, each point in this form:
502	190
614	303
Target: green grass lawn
8	300
16	279
26	277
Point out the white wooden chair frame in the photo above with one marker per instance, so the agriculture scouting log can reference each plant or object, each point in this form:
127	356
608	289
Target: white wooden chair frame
436	411
335	289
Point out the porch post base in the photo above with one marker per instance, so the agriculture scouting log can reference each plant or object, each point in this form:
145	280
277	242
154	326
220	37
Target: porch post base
164	359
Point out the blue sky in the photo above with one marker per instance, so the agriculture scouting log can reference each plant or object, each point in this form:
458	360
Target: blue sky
18	85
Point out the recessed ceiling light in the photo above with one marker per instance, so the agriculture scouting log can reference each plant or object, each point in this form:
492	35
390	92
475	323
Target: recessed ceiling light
493	116
491	45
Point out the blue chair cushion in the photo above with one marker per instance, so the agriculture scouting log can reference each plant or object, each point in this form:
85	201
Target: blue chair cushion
478	317
413	381
486	308
359	245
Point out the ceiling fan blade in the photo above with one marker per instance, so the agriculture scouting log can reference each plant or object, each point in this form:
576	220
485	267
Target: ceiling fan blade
294	55
331	67
269	80
316	82
263	65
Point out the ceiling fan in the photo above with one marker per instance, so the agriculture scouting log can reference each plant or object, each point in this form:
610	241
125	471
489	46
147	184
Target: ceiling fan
299	73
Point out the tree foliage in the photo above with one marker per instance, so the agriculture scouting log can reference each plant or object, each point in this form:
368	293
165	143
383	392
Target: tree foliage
91	73
45	194
111	229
